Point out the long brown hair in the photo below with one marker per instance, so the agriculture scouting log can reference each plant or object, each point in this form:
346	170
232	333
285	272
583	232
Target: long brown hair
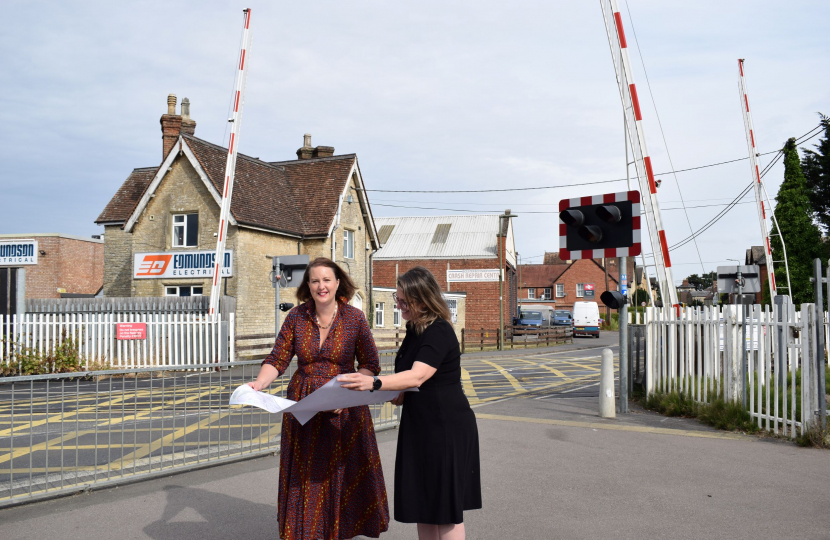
345	290
420	290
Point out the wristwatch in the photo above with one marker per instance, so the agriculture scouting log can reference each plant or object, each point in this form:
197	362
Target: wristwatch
376	384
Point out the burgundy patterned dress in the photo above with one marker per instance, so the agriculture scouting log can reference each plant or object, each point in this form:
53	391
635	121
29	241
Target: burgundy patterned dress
331	482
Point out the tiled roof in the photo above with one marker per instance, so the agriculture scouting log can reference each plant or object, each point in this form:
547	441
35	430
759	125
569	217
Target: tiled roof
540	275
297	197
126	198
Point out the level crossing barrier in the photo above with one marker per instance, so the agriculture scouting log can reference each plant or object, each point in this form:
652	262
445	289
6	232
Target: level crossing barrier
766	359
65	433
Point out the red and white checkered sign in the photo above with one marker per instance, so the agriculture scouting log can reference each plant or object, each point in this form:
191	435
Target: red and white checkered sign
633	250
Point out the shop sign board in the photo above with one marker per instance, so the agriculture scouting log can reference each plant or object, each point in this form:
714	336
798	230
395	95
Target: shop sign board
136	330
455	276
18	252
179	264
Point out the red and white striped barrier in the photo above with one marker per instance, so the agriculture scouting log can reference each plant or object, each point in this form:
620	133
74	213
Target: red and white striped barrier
756	179
230	164
642	161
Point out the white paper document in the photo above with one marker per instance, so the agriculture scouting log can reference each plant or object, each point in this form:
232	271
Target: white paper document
328	397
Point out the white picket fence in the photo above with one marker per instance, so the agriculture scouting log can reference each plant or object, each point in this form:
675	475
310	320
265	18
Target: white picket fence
699	352
172	339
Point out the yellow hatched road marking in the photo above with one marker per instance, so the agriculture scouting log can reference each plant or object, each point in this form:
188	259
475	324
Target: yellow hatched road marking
146	449
513	381
467	383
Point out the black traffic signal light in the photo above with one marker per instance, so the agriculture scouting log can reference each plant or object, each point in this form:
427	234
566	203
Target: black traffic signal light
601	229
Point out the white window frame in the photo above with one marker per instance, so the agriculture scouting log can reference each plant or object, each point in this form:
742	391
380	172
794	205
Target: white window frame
546	293
580	290
348	244
396	316
379	313
176	290
184	224
531	293
560	290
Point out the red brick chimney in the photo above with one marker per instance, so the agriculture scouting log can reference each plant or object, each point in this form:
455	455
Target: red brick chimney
171	126
308	152
188	124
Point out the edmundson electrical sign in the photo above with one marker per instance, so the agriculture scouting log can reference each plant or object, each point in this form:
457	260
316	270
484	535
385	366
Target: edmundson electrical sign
190	264
18	252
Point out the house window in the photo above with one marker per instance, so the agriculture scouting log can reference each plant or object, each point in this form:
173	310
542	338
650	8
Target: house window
546	295
185	230
560	290
396	316
580	290
183	290
348	244
531	293
379	314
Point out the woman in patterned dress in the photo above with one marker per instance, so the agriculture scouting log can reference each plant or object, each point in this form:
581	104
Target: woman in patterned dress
437	471
331	484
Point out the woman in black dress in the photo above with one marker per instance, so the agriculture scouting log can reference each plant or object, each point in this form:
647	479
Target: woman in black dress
437	473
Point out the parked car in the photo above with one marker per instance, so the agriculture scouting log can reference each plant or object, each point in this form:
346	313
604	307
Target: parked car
530	318
562	317
586	319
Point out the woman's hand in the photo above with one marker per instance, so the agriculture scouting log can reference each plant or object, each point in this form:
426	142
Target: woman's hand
356	381
257	385
398	400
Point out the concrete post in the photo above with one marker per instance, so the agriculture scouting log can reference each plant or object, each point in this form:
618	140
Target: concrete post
607	405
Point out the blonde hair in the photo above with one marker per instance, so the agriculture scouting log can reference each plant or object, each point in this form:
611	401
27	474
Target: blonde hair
420	290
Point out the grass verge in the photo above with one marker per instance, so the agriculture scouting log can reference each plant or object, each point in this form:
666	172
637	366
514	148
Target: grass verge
718	413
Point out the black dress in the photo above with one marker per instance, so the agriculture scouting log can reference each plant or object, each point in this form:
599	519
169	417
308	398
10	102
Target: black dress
437	472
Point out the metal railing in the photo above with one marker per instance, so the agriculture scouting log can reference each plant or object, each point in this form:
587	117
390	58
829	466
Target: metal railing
71	432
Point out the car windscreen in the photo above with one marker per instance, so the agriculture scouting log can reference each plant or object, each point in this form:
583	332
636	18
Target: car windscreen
562	314
532	315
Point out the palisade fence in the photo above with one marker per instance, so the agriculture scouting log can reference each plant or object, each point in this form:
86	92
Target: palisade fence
700	352
177	331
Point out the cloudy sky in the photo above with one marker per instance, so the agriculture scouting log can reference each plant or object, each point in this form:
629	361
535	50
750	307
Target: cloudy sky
430	95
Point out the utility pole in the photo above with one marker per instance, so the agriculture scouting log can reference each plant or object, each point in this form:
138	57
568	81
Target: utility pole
502	245
230	163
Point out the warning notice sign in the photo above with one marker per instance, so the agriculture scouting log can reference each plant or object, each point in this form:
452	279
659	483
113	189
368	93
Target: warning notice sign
135	330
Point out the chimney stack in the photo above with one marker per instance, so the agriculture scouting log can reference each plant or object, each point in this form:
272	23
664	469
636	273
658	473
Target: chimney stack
171	126
306	151
309	152
188	124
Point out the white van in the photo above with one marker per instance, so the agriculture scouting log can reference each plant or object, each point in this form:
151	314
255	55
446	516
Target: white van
586	319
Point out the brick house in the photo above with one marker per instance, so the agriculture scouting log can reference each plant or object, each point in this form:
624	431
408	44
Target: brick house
62	265
463	254
561	284
314	205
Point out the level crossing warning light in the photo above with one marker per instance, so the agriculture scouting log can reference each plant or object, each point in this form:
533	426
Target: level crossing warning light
600	226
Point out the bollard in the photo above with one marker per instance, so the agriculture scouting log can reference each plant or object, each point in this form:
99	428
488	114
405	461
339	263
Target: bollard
607	405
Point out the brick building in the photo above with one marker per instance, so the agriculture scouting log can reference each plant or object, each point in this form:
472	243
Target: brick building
315	205
463	254
56	265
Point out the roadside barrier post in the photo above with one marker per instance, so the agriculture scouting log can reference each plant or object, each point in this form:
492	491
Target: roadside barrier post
607	405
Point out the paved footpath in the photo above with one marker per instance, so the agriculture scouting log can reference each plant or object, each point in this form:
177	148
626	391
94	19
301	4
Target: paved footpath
551	468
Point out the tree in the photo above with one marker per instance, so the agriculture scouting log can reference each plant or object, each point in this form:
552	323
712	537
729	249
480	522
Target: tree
702	282
816	167
803	238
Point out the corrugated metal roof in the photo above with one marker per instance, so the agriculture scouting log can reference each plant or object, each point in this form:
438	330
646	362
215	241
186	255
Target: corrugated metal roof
466	237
